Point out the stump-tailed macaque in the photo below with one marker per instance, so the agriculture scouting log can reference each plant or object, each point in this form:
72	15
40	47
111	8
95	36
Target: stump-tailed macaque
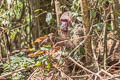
69	31
65	21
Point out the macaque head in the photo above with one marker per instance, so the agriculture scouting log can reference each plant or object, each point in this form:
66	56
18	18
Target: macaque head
65	21
65	24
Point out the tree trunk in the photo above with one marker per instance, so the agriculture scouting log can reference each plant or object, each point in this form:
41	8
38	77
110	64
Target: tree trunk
86	23
38	11
114	17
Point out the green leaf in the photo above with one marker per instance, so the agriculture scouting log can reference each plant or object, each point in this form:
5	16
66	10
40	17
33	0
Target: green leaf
93	13
28	29
31	49
37	10
47	46
12	36
49	18
38	64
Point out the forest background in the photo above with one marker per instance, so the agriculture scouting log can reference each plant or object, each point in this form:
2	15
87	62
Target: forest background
33	46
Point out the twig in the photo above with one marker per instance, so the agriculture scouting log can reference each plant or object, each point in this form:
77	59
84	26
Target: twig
105	32
60	42
80	65
113	65
113	77
81	42
33	73
10	73
81	76
71	39
58	11
96	74
95	57
2	3
106	73
62	72
0	52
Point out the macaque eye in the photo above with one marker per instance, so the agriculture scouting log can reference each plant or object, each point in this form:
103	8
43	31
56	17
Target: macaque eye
64	20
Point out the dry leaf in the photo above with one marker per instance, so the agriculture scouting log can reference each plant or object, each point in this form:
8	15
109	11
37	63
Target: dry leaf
43	38
51	34
40	53
54	50
31	55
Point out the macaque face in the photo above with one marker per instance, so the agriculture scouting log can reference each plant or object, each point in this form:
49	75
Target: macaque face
65	23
